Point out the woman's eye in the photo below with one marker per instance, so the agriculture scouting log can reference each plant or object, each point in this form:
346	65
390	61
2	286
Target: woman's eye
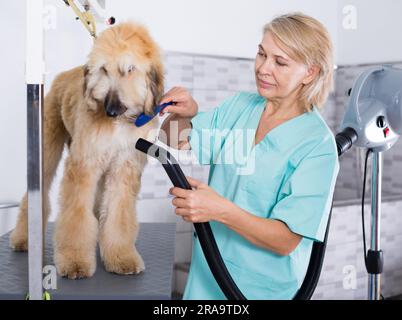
280	64
104	70
130	69
261	54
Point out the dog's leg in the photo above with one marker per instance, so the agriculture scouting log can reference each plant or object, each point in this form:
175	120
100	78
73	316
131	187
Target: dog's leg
118	222
55	136
76	228
19	236
100	190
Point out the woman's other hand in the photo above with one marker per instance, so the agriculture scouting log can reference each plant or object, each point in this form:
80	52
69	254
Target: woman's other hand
201	204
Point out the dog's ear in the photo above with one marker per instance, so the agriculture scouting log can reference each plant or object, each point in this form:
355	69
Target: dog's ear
87	91
155	92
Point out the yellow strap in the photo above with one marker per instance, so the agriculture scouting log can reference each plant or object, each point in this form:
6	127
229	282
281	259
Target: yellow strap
86	18
45	296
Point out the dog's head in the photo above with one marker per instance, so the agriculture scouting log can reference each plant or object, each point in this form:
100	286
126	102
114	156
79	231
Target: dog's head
124	73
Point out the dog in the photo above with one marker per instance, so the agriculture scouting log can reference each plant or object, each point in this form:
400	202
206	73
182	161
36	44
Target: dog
92	109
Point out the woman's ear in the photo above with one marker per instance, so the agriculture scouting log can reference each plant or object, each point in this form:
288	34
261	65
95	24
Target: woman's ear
312	73
87	91
155	84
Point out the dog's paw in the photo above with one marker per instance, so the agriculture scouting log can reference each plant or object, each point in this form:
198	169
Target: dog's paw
75	269
18	242
129	263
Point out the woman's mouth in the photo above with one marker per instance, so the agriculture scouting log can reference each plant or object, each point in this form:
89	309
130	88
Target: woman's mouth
265	84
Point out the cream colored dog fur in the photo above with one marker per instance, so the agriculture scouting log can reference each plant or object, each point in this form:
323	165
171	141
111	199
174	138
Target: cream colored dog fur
91	109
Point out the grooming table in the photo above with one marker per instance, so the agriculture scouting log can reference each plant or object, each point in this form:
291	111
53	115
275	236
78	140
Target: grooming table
155	243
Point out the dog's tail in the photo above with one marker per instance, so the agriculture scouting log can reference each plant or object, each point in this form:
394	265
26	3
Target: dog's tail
55	136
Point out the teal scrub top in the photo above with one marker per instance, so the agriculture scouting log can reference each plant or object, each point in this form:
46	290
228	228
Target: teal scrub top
289	176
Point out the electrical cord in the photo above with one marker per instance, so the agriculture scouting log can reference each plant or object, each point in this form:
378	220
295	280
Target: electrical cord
363	198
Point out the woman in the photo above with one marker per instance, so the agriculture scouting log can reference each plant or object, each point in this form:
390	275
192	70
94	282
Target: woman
266	217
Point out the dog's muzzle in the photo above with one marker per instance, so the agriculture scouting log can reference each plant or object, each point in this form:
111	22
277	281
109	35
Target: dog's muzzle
113	105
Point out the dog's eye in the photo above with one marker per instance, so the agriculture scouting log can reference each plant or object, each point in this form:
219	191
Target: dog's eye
104	70
130	69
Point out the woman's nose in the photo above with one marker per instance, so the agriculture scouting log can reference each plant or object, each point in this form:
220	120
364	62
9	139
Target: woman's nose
266	67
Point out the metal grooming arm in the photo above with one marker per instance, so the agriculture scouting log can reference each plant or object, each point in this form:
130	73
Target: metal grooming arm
34	80
91	12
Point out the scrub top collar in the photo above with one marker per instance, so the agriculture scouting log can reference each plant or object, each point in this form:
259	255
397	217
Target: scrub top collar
280	133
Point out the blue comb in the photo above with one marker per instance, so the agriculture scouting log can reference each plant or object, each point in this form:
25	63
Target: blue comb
144	118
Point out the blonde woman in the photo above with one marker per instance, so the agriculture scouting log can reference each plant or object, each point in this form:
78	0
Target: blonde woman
268	207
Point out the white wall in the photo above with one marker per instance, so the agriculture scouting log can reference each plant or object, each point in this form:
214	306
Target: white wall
12	109
377	36
223	27
232	28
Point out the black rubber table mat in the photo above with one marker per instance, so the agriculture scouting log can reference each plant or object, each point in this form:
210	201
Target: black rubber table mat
155	243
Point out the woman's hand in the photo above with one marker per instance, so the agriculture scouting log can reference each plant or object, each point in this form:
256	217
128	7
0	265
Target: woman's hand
201	204
184	104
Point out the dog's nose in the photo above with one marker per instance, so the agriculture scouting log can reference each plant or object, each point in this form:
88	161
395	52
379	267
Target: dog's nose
111	113
113	106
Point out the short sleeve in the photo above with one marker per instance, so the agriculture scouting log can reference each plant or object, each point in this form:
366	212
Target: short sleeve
309	190
205	127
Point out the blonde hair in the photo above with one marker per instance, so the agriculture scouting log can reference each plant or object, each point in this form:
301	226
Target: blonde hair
306	40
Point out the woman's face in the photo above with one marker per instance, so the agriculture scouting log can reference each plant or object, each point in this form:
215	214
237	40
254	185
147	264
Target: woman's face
277	75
